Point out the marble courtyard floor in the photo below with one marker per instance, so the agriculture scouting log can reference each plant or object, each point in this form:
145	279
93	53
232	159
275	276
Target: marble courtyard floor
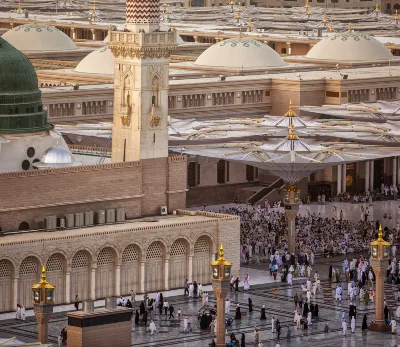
170	332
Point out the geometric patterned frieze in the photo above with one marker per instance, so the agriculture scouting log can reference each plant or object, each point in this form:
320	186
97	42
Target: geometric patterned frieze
55	263
5	268
130	254
201	245
80	260
143	11
28	266
106	256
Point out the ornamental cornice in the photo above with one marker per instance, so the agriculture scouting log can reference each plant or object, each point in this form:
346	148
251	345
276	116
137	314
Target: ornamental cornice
141	52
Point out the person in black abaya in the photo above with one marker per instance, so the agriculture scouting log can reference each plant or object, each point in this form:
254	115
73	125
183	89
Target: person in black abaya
145	318
141	308
263	317
312	310
250	305
237	284
238	314
330	272
243	341
386	311
316	311
137	317
364	323
204	322
305	309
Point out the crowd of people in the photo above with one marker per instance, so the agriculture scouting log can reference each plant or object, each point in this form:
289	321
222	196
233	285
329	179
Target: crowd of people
262	232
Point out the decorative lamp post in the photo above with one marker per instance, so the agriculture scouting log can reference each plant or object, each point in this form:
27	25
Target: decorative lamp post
231	4
324	20
43	300
380	254
377	10
221	274
292	202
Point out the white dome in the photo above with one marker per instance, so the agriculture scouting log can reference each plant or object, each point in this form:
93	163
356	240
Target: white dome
38	38
350	46
240	53
57	155
100	61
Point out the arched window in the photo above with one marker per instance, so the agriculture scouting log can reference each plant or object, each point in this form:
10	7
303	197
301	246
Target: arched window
23	226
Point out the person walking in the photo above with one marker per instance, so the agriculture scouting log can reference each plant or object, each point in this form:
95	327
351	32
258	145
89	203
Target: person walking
152	327
288	334
273	324
344	328
171	311
133	296
76	304
353	324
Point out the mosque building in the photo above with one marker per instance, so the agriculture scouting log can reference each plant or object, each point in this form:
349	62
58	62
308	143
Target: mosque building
101	230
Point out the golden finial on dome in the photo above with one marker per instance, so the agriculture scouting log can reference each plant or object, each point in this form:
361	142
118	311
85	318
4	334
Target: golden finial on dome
396	16
324	19
308	12
307	5
290	112
34	20
380	232
19	8
377	10
349	28
330	29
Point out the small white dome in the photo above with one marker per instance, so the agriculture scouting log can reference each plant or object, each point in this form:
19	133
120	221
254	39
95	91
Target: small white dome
240	53
100	61
36	37
350	46
57	155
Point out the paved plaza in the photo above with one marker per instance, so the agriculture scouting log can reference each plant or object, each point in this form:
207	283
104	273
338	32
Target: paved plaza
170	332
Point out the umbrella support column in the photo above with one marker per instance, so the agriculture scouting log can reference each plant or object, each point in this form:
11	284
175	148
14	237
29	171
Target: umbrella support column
291	212
292	202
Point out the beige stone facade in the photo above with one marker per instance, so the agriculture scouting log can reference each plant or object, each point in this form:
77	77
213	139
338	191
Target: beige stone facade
103	261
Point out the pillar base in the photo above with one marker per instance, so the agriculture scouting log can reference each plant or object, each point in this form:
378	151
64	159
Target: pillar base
379	327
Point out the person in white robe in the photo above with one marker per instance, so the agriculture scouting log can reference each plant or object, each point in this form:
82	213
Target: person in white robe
191	289
185	325
393	324
272	324
338	296
308	296
18	313
227	306
246	282
398	312
203	299
152	327
344	328
290	279
200	289
206	298
309	322
22	312
353	324
309	269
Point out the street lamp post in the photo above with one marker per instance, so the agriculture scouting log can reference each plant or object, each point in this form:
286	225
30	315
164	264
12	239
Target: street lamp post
221	273
292	202
43	300
380	254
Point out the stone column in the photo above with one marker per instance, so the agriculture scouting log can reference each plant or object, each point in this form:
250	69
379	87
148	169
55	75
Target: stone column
142	269
394	178
43	313
190	264
291	216
339	179
366	186
68	287
221	289
379	270
344	174
93	284
371	175
15	292
117	280
166	274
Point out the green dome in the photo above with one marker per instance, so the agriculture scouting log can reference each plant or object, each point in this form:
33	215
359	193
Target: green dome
21	109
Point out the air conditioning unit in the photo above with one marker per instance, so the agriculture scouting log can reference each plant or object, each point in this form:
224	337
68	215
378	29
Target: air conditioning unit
62	223
79	220
164	210
88	218
100	217
50	223
70	220
120	215
110	216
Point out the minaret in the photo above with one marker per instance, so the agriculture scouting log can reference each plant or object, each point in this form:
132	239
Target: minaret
141	83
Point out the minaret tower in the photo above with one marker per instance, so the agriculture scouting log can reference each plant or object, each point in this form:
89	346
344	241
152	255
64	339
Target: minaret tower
141	82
